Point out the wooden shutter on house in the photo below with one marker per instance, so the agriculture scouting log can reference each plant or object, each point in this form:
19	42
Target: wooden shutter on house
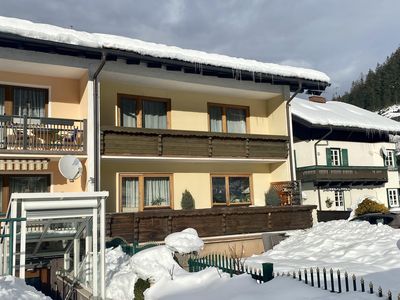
328	157
345	157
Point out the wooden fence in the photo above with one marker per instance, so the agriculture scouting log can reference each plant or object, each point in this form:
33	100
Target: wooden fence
330	215
155	225
231	265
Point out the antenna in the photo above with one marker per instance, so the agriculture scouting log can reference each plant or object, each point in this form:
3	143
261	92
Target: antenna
70	167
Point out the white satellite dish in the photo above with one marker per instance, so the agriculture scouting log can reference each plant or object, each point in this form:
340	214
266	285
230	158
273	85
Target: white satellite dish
70	167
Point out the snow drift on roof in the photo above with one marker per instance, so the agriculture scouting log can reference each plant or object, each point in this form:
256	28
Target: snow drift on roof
95	40
340	114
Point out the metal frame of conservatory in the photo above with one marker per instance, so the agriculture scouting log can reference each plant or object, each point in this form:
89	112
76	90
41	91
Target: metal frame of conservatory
54	219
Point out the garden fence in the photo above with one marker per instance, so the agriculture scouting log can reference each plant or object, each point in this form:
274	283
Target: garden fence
231	266
336	282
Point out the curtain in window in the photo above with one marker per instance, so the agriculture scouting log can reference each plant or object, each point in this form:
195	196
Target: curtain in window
2	99
236	120
128	113
130	192
216	119
29	101
239	189
154	114
218	190
28	184
156	191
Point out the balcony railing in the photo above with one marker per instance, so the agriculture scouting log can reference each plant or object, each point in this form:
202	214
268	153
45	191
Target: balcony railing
200	144
343	176
25	134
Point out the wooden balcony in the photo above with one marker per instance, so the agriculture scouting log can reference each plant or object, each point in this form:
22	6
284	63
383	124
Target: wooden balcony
199	144
35	135
155	225
343	176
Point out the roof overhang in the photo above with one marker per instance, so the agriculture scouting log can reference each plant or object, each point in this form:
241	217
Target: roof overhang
19	42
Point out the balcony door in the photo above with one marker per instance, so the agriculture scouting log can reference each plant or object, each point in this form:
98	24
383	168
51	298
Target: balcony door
21	184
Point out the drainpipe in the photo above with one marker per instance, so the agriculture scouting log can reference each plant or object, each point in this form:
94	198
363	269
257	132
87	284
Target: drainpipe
96	112
290	129
316	161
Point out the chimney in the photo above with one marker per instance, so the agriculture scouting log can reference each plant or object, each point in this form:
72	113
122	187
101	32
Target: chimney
317	99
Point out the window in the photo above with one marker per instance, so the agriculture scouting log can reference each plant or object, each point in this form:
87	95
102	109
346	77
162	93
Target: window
138	191
230	190
390	160
339	199
231	119
337	157
143	112
21	184
21	101
393	197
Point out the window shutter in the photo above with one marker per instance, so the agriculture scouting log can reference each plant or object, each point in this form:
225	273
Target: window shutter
345	158
328	157
394	159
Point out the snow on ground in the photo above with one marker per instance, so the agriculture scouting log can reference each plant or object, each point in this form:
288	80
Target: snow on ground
186	241
12	288
356	247
95	40
335	113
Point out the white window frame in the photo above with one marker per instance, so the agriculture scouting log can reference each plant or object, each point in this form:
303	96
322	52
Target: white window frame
339	199
393	197
389	159
335	157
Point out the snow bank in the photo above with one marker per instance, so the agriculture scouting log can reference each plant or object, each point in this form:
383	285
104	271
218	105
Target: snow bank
184	242
95	40
120	275
12	288
335	113
208	285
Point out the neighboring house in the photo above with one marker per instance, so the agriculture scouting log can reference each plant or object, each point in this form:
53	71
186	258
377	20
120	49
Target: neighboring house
160	120
343	154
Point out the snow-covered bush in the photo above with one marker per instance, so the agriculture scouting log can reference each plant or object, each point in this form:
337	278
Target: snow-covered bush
187	201
370	206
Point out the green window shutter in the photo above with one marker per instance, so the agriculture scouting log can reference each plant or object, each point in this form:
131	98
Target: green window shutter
328	157
345	158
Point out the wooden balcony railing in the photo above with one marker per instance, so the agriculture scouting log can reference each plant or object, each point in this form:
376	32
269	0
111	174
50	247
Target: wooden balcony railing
342	176
177	143
24	134
155	225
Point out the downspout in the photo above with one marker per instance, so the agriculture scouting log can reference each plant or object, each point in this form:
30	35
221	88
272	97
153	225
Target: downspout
96	112
290	129
316	161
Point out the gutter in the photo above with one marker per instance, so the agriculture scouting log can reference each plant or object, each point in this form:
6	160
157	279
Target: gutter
96	111
316	161
290	129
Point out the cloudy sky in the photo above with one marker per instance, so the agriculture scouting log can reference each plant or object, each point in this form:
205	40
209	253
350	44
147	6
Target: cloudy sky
339	37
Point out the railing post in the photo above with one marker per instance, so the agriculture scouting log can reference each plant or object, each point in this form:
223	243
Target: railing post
25	133
210	147
267	269
11	248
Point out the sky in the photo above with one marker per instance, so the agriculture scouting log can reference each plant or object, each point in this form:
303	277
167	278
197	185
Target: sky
339	37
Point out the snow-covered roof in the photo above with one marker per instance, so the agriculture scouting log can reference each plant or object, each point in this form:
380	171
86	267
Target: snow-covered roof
340	114
57	34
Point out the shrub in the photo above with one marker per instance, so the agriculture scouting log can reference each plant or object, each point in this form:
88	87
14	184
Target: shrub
370	206
272	198
187	201
140	286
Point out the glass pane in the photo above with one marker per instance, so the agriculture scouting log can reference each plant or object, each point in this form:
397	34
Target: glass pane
130	192
156	191
29	184
154	114
29	101
215	119
218	190
239	189
236	120
128	112
2	98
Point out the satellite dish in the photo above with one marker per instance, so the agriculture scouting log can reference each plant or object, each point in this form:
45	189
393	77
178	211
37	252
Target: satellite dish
70	167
